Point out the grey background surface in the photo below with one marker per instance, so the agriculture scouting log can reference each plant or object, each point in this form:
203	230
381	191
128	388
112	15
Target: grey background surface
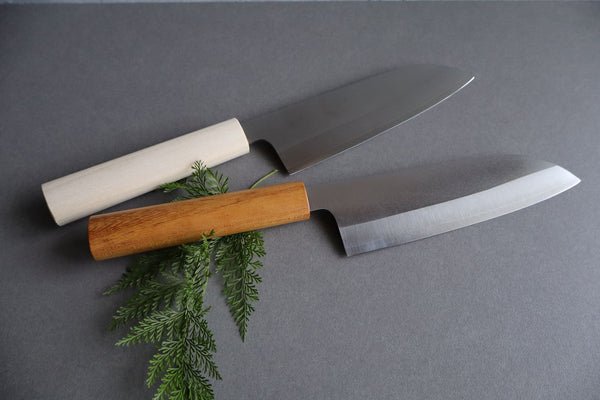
507	309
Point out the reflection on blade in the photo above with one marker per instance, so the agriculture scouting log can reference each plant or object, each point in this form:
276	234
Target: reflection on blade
416	204
315	129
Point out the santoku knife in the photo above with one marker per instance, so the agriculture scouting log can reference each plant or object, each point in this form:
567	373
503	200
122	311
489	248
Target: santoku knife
371	213
302	134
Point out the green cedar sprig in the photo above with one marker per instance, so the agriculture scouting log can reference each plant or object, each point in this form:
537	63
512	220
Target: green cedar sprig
168	308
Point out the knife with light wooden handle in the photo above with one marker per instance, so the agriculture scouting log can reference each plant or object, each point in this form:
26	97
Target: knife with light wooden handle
302	134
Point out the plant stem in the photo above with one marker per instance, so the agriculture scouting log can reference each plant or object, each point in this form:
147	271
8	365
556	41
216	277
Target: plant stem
258	182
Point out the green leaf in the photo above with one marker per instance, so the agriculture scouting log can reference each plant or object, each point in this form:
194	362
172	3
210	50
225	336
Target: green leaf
235	260
168	308
152	328
203	182
153	295
146	267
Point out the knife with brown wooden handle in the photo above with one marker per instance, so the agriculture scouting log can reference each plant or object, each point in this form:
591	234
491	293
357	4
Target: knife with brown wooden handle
371	213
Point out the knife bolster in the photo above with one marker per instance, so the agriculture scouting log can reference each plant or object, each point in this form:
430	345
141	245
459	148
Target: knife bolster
148	228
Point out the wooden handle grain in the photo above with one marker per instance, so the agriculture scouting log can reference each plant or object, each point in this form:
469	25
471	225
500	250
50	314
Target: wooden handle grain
133	231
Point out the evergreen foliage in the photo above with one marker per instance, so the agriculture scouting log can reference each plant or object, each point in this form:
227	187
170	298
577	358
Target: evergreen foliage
168	307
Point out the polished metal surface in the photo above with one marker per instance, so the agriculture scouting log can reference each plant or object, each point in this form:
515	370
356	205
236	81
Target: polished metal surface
392	209
315	129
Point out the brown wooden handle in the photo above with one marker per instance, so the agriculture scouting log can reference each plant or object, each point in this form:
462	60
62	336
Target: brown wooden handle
133	231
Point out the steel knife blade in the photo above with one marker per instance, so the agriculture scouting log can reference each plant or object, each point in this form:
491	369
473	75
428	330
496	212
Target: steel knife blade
302	134
371	213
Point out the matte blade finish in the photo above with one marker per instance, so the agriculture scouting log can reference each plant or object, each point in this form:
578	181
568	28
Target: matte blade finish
412	204
315	129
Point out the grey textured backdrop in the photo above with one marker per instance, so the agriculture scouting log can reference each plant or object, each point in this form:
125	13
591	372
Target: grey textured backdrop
506	309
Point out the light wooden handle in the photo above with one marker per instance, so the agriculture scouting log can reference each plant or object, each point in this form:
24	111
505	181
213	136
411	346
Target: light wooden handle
133	231
91	190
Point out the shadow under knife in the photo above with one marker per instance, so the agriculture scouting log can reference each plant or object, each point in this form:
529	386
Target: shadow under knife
67	243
